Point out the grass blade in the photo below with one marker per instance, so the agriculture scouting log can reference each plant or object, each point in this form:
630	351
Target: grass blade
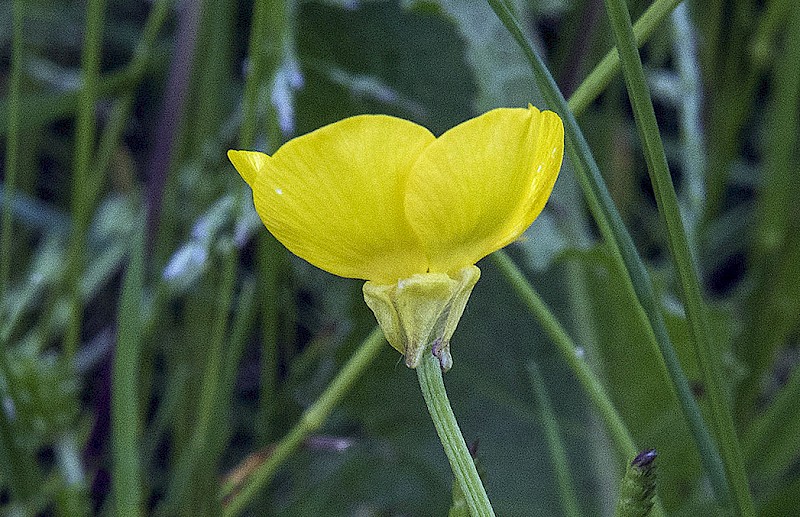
12	147
566	486
667	200
237	497
125	411
609	66
82	182
623	251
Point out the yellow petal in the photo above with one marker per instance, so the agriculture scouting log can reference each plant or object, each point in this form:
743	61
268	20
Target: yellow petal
247	163
482	183
334	197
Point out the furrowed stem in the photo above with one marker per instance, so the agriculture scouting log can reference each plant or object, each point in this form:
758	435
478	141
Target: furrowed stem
429	373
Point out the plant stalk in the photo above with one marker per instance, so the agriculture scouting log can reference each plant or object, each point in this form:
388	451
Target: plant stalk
236	496
667	201
429	373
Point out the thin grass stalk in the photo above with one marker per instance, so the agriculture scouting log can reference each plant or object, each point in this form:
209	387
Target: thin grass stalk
270	260
599	78
771	313
239	334
267	42
125	412
195	459
207	106
733	89
558	453
12	148
81	206
626	258
202	457
244	316
257	59
265	16
623	441
667	201
167	408
22	480
120	116
236	497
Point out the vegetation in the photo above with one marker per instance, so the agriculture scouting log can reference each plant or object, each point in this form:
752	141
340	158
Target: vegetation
161	354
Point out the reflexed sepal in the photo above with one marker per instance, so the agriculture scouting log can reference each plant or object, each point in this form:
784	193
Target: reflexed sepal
421	312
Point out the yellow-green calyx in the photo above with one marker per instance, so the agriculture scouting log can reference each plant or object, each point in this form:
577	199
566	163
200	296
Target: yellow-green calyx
420	313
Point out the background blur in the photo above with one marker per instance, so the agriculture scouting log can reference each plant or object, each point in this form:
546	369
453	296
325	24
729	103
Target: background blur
138	182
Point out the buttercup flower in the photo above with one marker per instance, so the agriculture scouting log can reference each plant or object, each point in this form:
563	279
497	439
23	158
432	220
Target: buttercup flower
381	199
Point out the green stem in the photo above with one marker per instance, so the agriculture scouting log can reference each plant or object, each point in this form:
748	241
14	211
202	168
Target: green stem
247	133
12	148
237	497
623	251
120	116
566	486
81	184
270	261
667	201
429	373
125	422
609	66
268	33
771	311
626	448
195	458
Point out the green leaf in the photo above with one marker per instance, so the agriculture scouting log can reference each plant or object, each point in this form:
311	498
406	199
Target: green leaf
368	60
501	72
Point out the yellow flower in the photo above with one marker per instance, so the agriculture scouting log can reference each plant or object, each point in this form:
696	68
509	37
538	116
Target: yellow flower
381	199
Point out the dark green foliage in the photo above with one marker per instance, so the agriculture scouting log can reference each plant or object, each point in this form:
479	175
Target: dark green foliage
236	338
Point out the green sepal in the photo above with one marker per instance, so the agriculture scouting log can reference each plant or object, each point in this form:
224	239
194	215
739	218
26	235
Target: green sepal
421	312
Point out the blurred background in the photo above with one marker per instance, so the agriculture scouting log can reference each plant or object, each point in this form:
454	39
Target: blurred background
133	262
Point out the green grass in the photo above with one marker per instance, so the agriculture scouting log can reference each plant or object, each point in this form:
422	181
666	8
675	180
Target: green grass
162	354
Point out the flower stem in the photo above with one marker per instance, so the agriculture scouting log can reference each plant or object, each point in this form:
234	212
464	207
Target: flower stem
430	380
